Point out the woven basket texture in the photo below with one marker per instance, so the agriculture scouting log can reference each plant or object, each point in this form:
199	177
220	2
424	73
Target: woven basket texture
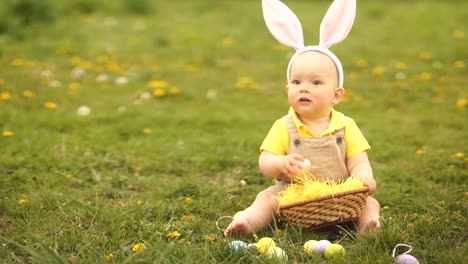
326	210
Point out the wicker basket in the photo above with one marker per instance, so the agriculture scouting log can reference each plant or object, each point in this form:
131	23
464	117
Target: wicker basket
326	210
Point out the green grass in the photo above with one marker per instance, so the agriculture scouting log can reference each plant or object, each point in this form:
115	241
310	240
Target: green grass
137	169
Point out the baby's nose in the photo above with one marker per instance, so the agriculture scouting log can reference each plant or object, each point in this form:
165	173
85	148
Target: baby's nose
305	89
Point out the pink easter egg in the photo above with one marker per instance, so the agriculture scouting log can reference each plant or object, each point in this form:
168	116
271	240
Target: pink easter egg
406	259
321	246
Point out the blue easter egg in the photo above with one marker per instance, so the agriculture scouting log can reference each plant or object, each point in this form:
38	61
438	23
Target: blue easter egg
237	245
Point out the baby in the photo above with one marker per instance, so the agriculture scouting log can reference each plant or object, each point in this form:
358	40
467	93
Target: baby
312	131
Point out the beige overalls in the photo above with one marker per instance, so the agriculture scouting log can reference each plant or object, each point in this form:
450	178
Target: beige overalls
326	154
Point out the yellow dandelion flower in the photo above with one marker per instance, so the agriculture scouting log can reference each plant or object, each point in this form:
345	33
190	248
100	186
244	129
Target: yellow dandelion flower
454	217
62	50
75	60
401	66
102	58
425	55
6	96
72	258
458	34
461	103
209	237
18	62
159	92
28	93
109	257
459	155
138	247
114	67
279	232
421	151
86	65
459	64
8	133
190	68
188	200
385	208
228	41
158	84
187	218
174	91
147	131
24	199
50	105
361	63
74	86
425	76
246	82
378	71
173	234
140	202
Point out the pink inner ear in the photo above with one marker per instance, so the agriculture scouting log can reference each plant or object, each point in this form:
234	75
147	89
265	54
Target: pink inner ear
337	22
283	23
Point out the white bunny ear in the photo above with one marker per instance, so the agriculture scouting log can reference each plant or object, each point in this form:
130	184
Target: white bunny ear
283	23
337	22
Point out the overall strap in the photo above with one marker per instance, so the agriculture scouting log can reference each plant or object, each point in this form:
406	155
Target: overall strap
292	129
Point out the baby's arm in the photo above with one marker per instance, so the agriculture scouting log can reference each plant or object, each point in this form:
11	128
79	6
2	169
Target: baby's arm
273	165
359	166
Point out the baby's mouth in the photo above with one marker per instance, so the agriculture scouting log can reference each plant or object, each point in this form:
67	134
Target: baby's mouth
303	99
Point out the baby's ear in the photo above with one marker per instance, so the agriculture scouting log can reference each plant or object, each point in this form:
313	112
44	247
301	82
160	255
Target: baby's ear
339	94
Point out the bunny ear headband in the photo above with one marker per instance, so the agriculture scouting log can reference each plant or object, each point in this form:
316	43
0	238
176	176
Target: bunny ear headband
286	28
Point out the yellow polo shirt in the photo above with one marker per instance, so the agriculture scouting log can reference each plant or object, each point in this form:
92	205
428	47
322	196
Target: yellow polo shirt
277	141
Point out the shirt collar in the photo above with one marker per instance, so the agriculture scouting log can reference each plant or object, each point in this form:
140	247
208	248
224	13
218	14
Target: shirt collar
337	122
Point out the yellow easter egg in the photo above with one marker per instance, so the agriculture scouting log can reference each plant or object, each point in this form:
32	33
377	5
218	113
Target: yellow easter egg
264	244
309	247
335	251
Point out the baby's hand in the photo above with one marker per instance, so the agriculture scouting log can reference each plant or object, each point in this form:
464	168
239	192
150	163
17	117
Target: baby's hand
370	183
293	164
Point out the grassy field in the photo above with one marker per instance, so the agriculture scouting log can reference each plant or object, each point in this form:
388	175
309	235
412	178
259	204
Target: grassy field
181	97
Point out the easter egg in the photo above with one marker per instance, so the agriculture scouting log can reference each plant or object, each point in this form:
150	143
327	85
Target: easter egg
306	165
264	244
309	247
83	111
334	251
276	253
237	245
321	246
406	259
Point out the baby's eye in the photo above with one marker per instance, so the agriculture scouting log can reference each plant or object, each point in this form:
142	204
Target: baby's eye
317	82
296	82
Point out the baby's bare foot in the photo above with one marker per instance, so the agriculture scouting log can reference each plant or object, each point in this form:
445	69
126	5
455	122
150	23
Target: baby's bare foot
371	226
239	226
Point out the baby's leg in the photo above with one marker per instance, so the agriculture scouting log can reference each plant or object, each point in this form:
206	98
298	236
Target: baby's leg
369	219
255	217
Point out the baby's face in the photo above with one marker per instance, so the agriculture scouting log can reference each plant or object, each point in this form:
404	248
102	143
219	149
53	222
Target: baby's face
313	84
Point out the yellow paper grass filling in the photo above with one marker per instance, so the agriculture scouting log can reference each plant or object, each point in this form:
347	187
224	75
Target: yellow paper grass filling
309	187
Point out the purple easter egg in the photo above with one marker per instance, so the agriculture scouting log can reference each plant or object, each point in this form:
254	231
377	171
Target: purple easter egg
406	259
321	246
